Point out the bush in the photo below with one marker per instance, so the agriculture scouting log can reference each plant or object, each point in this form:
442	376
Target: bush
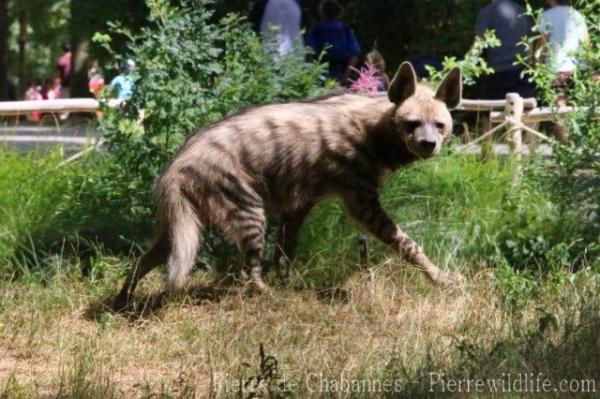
191	71
37	200
580	162
466	214
472	66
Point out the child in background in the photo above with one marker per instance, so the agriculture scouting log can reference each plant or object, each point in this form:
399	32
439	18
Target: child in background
371	78
95	79
376	59
33	94
55	89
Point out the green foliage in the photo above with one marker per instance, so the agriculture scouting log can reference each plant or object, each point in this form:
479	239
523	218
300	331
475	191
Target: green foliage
578	163
464	213
34	193
400	29
50	25
182	84
472	66
47	31
49	211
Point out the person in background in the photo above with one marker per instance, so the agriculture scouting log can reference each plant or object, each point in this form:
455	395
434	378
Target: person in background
33	94
96	82
95	79
46	88
375	59
280	26
63	69
337	39
371	78
507	18
56	90
564	30
122	84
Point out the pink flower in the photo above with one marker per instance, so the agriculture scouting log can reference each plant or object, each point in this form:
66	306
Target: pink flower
368	80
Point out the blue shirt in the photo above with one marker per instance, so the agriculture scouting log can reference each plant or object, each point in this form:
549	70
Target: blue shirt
338	36
123	86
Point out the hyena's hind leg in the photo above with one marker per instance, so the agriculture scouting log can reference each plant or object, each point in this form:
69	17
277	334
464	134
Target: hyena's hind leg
155	256
287	239
176	246
245	224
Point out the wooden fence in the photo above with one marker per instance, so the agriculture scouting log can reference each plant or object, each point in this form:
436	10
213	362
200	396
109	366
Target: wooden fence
83	105
514	114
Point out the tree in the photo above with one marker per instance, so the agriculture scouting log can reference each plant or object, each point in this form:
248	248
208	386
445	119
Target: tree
3	49
89	17
36	32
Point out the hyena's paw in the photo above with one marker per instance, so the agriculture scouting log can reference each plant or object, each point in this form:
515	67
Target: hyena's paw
446	279
258	285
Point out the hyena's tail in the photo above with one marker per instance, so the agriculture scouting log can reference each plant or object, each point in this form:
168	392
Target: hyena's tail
176	245
183	229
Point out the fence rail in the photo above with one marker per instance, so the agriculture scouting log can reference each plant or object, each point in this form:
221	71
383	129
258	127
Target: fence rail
492	105
84	105
90	105
513	114
536	115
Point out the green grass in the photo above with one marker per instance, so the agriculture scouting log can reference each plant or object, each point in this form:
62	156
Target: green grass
468	215
529	303
33	191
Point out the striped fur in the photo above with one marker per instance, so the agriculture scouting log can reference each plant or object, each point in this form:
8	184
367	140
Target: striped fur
283	159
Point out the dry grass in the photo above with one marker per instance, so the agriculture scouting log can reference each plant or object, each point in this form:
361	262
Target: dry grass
58	339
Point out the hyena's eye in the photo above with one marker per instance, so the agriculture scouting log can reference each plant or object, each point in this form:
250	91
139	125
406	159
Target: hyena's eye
440	125
411	126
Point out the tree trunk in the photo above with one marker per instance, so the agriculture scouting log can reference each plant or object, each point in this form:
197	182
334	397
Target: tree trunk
3	49
88	17
22	52
82	29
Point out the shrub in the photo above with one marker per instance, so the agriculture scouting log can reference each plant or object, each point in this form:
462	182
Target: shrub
35	200
466	214
472	66
191	71
581	160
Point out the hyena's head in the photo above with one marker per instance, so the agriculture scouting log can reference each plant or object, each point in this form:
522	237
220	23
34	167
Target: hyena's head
421	116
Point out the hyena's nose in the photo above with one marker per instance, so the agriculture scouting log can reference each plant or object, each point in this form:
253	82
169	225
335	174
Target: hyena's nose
427	145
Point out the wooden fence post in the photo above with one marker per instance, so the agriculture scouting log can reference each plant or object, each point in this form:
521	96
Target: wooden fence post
514	113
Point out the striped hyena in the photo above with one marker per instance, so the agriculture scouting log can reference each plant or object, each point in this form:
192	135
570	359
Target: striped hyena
284	159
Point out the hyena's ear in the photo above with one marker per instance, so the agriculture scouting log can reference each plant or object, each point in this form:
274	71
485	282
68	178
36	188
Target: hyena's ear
403	85
450	90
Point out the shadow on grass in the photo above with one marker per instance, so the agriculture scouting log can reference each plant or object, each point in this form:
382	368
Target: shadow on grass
145	306
333	295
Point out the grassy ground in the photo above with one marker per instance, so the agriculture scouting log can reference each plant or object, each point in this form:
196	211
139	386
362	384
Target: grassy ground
528	308
57	336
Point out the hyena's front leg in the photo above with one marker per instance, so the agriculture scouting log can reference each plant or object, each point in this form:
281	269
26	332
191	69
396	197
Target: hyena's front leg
367	210
287	239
